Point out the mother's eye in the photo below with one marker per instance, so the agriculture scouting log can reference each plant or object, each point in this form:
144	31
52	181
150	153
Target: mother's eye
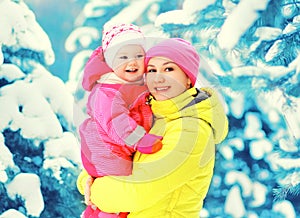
151	70
168	69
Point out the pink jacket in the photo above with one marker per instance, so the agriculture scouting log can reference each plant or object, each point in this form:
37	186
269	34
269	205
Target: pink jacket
119	118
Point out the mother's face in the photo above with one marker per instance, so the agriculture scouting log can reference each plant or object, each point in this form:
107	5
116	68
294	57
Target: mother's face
165	79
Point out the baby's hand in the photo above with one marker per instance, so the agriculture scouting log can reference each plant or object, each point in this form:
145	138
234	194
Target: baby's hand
87	191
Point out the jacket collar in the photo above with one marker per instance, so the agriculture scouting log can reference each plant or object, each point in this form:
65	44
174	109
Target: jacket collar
173	105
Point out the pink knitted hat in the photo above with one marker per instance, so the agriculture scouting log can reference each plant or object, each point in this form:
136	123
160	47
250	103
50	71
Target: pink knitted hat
116	36
179	51
100	62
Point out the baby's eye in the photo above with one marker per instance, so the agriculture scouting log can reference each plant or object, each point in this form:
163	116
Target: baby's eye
124	57
139	56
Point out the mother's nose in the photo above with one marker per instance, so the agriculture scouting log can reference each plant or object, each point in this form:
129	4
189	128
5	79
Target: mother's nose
158	77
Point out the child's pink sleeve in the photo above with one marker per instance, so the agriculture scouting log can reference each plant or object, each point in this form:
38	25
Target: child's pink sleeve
94	68
112	113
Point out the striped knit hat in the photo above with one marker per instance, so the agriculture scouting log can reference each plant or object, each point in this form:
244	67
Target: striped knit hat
116	36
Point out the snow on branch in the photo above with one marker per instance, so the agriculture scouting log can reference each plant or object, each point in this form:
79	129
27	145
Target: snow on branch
239	21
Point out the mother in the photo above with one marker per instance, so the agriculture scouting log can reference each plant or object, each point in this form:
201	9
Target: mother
174	181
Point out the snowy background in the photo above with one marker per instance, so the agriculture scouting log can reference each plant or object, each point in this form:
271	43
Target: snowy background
250	54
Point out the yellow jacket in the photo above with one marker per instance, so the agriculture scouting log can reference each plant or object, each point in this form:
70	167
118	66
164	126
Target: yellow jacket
174	181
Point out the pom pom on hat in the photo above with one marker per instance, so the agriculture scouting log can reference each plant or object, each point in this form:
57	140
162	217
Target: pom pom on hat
181	52
116	36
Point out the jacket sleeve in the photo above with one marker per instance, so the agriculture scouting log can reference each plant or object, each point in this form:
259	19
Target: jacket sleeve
81	181
94	68
185	155
112	114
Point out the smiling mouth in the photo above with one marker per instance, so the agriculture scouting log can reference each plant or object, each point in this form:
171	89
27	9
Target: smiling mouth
131	70
161	89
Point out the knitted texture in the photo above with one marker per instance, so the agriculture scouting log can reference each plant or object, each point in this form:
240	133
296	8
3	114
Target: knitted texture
115	37
181	52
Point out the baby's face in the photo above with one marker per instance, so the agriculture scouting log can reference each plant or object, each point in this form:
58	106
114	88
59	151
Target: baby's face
128	63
